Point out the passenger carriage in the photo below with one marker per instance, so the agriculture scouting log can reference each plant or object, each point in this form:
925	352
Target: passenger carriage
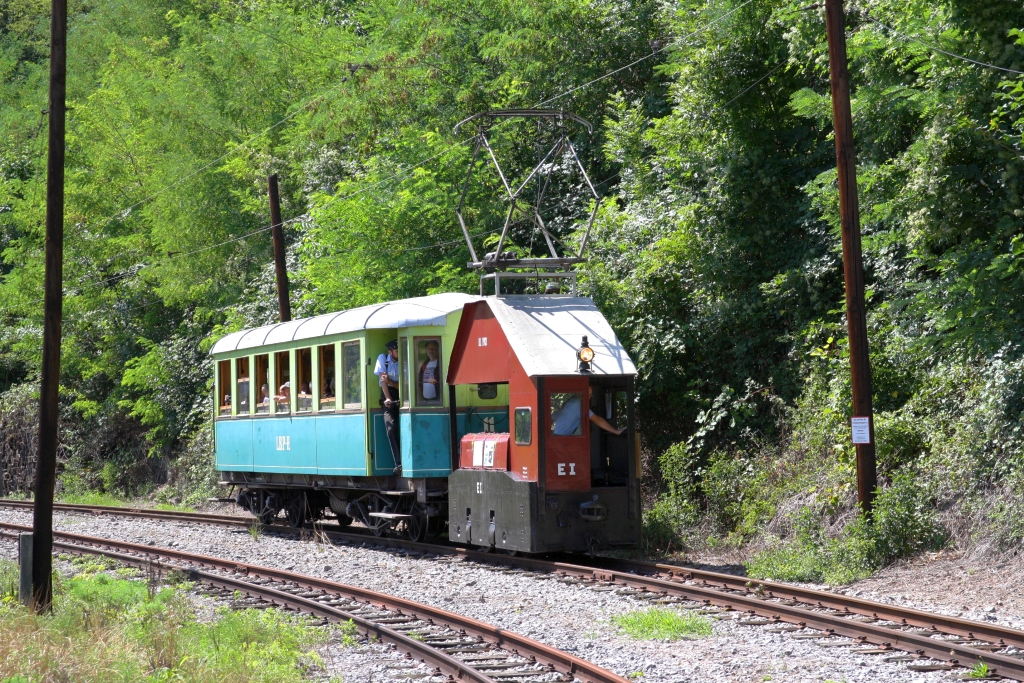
479	452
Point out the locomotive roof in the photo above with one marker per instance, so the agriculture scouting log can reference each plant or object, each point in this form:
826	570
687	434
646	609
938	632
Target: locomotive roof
545	332
419	311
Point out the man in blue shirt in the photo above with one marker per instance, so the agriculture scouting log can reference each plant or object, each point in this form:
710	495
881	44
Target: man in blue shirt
566	420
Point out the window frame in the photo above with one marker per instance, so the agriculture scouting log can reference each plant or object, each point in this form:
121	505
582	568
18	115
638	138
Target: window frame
321	351
346	404
279	382
222	366
429	402
404	380
551	415
262	377
300	378
515	425
237	388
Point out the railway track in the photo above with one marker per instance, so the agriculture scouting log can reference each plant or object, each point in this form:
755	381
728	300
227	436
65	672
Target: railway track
463	648
925	640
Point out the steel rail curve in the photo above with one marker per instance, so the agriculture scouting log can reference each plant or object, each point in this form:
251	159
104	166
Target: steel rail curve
834	614
141	556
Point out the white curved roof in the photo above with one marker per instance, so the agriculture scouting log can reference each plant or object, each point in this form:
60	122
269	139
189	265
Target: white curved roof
545	332
420	311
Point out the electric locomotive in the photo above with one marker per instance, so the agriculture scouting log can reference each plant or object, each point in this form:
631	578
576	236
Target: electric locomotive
506	454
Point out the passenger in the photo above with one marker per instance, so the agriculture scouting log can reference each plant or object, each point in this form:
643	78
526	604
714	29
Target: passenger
264	395
329	388
386	370
284	397
566	420
430	371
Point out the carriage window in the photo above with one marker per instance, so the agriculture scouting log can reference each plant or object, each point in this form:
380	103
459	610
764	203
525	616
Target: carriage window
304	397
620	410
566	413
428	372
283	367
350	367
487	391
524	426
327	387
404	359
224	387
263	383
242	386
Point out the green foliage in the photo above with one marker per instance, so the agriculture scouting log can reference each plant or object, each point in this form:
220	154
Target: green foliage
659	623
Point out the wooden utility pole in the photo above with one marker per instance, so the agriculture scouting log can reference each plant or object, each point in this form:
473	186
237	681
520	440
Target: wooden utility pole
853	262
49	385
280	265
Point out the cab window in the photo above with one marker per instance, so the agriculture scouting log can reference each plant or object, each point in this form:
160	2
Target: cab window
263	383
429	382
304	381
327	382
224	387
283	375
524	426
351	384
242	386
566	414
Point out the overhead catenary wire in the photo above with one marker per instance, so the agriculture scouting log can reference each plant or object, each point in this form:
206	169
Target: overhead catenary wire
940	50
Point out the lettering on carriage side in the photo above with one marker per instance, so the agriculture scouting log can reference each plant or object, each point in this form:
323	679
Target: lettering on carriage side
479	487
526	472
561	469
488	424
481	341
572	469
284	443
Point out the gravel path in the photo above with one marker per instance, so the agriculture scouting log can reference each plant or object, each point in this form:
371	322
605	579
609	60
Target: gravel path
573	618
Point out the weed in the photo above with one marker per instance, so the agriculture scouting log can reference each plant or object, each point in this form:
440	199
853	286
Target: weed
659	623
255	529
979	670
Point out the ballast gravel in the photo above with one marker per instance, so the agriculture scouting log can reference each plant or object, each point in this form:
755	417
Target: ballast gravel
573	618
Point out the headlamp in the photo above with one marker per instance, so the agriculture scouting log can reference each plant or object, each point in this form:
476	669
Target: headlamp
585	355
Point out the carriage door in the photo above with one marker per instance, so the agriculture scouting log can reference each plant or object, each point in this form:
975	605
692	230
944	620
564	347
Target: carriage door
567	440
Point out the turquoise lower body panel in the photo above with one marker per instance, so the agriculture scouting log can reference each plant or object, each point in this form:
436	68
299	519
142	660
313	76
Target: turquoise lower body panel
285	445
428	451
234	445
341	445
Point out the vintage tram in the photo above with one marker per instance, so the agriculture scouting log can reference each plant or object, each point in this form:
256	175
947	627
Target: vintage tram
505	454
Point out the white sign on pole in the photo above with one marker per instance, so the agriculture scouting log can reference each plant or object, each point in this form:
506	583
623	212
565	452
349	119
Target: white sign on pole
861	429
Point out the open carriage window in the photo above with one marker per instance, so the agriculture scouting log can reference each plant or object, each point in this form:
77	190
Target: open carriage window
428	372
304	383
327	381
263	383
224	387
242	386
283	375
353	390
566	414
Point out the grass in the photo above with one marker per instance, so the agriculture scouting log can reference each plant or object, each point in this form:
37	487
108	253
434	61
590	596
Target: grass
112	630
659	623
94	498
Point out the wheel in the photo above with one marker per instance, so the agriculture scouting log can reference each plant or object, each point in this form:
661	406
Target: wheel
379	530
296	511
416	528
269	508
